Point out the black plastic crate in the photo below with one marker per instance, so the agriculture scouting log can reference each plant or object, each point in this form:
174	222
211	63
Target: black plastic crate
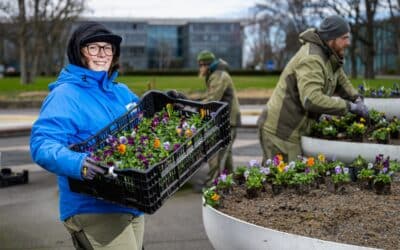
147	189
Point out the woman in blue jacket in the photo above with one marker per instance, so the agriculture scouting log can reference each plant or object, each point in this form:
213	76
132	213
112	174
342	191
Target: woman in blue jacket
84	99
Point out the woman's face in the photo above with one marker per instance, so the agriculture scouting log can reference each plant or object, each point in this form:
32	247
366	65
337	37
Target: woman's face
98	55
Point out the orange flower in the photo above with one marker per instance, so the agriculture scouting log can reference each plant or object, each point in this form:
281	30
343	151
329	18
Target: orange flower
179	131
310	161
280	157
121	148
202	113
156	143
215	197
188	133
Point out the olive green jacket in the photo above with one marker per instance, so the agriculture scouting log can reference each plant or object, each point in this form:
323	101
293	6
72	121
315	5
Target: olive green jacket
305	90
220	88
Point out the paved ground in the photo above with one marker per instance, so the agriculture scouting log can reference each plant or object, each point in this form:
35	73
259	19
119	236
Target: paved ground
29	213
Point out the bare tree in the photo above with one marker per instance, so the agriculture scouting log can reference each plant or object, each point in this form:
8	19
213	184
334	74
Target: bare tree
394	9
164	54
41	27
290	17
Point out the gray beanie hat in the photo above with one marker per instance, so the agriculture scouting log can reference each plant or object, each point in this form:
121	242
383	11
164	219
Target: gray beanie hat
333	27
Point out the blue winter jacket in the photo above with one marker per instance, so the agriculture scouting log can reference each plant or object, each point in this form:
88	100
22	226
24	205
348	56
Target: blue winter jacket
80	103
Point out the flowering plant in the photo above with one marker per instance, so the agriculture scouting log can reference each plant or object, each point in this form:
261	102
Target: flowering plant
224	181
366	174
359	162
381	135
302	178
380	92
211	197
382	169
356	129
340	174
149	142
281	172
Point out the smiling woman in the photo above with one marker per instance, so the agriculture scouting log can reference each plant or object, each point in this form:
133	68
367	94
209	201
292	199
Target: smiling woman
85	98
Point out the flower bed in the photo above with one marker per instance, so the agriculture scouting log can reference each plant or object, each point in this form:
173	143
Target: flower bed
331	207
153	149
384	99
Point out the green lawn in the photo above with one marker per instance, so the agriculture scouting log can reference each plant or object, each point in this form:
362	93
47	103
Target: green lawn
10	86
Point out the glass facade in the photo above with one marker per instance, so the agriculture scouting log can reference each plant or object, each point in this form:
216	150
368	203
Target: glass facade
174	44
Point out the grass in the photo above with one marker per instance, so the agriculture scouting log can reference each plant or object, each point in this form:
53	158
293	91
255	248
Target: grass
10	86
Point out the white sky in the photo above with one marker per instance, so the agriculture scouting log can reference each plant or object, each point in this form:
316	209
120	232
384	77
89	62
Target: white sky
170	8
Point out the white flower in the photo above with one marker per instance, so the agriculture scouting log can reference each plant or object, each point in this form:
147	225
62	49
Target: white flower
246	174
268	162
292	165
254	163
123	140
133	134
265	171
185	125
370	165
346	170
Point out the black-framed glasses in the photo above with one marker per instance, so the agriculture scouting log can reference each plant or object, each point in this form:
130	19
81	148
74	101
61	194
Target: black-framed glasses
203	65
94	49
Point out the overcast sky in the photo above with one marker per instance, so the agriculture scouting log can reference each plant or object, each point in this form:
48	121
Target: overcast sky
170	8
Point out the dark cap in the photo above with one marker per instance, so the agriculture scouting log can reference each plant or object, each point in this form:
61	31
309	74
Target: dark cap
87	33
333	27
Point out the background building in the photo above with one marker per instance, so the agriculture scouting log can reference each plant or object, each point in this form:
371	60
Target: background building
174	43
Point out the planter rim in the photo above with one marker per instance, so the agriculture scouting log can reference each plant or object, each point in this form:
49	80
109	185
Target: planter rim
347	151
339	244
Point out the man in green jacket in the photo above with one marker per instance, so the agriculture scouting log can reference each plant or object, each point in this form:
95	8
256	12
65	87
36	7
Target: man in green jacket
219	88
305	90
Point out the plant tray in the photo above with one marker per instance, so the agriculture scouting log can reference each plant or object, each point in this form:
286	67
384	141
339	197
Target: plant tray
146	190
9	178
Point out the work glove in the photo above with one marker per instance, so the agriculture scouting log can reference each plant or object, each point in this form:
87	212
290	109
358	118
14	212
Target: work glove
325	117
175	94
359	99
89	170
359	108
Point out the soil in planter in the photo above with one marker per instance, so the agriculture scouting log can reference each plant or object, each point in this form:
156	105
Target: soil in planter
359	217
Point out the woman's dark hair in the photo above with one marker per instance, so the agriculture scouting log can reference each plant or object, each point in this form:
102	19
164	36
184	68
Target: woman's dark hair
92	32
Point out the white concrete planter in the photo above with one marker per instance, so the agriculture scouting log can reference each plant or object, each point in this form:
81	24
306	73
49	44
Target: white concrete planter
227	232
391	106
347	151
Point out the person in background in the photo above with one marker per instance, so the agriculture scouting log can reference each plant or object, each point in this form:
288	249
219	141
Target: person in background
305	89
84	99
220	87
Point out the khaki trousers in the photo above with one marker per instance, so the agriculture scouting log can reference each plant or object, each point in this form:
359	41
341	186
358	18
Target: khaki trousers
222	160
106	231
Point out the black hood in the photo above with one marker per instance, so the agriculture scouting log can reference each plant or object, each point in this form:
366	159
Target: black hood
87	33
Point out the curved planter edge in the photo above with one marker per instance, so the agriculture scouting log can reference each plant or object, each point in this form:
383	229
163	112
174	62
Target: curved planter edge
227	232
388	105
347	151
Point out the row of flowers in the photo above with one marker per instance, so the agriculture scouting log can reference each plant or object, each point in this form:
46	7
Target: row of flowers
304	174
376	128
381	92
151	141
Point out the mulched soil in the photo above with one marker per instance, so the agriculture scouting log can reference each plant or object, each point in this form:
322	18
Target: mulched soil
358	217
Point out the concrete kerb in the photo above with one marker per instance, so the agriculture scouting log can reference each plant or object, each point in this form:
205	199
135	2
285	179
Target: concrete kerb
20	125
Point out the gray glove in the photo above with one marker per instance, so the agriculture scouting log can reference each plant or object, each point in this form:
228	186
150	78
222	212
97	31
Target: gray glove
89	170
175	94
359	108
359	99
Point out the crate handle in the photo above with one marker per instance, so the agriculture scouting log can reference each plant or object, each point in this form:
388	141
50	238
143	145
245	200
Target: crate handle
111	172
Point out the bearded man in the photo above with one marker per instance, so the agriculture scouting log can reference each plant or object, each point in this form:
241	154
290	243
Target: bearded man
305	89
